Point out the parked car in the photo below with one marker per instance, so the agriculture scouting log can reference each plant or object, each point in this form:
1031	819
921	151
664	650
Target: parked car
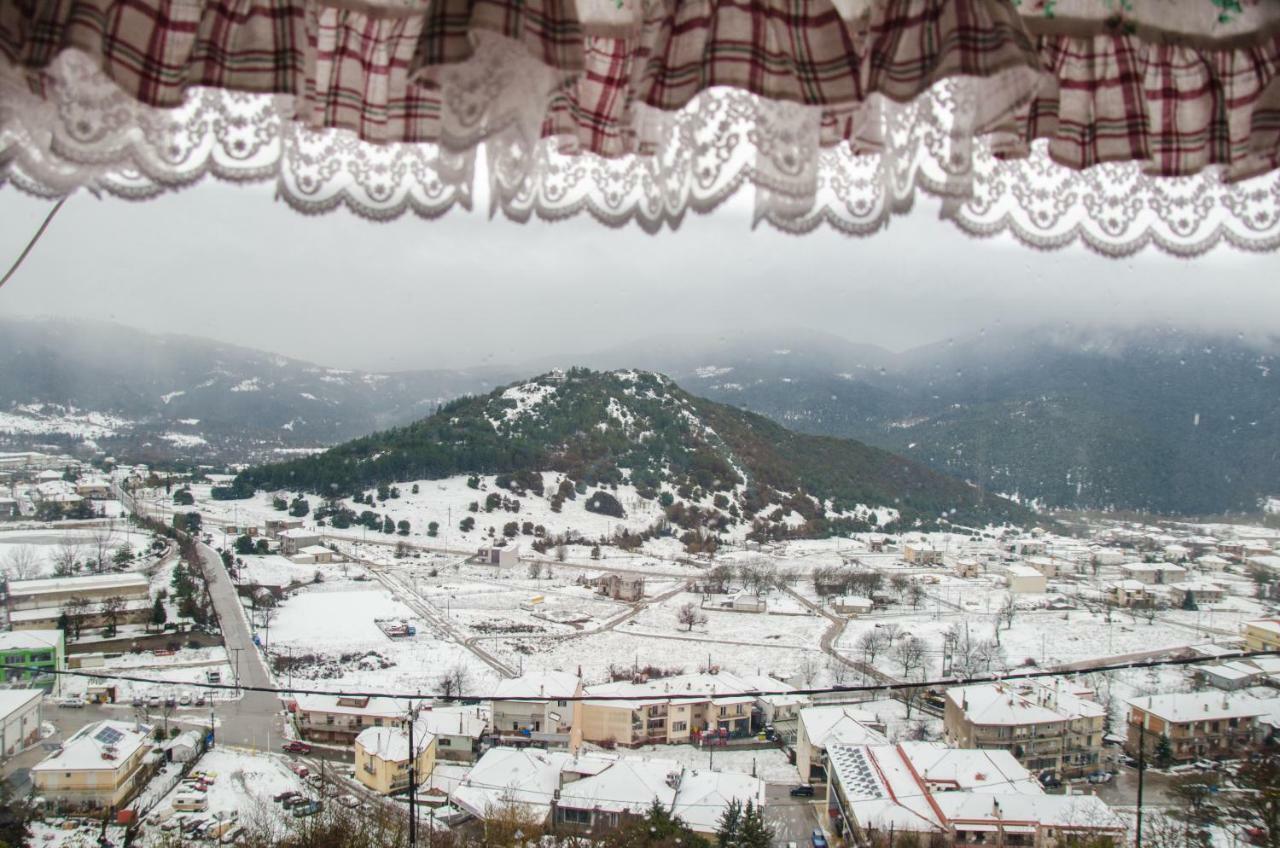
153	701
199	699
310	808
296	747
818	839
284	796
170	701
1099	777
185	699
804	790
295	801
139	701
74	701
349	801
1049	780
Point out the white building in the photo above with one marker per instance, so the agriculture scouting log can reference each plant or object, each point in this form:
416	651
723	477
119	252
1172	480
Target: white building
960	797
19	719
535	709
820	727
1025	580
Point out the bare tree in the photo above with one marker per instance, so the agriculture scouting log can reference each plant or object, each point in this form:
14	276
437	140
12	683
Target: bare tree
454	681
909	653
562	552
102	540
915	594
76	610
1007	612
872	642
535	570
67	557
891	632
808	669
899	584
112	606
22	563
689	615
839	671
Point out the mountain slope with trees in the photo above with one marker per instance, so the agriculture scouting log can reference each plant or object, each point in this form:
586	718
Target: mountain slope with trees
606	429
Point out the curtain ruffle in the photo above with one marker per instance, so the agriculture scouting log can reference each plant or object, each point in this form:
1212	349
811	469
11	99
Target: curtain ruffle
1099	90
643	110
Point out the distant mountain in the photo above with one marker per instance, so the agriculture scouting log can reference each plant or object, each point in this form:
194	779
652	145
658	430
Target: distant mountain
635	428
1157	420
168	397
1153	420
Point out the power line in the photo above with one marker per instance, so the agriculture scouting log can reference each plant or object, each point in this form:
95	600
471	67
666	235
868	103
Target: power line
658	695
48	219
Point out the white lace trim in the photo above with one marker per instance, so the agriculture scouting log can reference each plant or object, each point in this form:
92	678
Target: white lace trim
87	134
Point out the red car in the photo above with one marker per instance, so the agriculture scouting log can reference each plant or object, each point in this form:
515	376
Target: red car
296	747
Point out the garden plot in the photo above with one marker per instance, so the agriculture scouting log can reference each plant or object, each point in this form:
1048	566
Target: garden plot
748	628
330	632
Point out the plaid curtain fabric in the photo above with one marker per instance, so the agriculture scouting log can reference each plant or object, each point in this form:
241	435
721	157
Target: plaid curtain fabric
1099	87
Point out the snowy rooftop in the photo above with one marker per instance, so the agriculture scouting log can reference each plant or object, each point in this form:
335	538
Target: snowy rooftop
1002	704
99	746
12	700
341	704
128	580
1182	707
925	786
824	726
33	640
546	685
688	687
699	797
453	721
528	777
392	743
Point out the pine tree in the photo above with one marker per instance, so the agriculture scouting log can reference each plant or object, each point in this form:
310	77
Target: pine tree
756	833
730	825
1164	752
158	613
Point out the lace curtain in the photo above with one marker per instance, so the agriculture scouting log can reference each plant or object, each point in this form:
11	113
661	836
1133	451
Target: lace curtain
1056	128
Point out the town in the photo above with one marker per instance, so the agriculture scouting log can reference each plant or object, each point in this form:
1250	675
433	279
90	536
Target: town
183	666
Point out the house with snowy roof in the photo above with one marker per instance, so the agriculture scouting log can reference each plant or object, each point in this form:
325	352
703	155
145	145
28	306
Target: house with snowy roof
822	726
957	796
1198	725
384	755
628	787
102	765
1048	727
535	709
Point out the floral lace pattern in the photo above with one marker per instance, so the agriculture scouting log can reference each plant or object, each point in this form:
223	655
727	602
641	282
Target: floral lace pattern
89	134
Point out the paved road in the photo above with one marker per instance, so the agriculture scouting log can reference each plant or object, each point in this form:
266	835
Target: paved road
256	720
793	819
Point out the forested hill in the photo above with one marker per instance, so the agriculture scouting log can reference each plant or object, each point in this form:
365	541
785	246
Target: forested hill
640	429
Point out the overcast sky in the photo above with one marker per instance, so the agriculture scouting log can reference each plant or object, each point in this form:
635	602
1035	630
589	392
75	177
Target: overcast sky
229	263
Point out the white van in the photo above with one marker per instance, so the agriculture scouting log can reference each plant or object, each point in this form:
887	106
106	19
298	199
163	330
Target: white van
189	802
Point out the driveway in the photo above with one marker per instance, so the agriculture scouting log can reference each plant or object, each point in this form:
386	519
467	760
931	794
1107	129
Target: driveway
793	819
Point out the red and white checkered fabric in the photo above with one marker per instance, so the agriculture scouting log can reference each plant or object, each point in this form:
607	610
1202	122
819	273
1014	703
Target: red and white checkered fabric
374	67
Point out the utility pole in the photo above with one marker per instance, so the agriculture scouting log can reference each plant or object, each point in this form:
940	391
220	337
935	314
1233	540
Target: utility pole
1142	767
413	779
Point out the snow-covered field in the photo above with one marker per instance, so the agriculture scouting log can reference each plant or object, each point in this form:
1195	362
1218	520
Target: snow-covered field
334	623
30	553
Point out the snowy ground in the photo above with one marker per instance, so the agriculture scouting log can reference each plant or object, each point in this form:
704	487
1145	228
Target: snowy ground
31	553
243	787
334	621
